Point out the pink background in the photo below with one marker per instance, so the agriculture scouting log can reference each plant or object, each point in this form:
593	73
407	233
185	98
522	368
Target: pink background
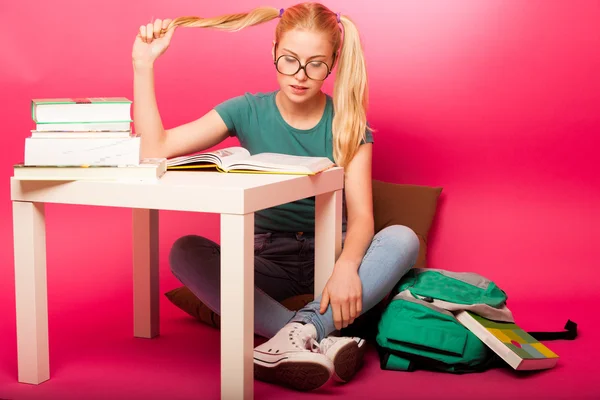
495	101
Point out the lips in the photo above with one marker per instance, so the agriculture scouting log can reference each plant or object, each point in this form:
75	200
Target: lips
299	87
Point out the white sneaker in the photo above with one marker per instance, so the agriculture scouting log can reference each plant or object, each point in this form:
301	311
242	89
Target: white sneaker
346	353
292	358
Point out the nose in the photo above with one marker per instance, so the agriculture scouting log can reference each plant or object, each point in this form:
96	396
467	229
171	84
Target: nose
301	75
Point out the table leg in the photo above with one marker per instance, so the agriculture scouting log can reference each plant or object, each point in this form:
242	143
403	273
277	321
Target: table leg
145	273
237	306
328	236
31	292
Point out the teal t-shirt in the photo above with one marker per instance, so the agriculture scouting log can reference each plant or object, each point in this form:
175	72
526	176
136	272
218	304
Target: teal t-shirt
257	123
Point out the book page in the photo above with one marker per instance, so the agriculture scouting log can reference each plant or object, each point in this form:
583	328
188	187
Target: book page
218	157
280	162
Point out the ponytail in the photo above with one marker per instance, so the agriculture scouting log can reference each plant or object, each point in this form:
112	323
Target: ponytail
230	22
350	96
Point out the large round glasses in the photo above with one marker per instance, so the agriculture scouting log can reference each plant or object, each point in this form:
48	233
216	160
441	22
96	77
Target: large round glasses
290	65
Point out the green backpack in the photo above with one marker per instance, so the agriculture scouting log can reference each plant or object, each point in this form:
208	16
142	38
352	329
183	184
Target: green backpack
416	330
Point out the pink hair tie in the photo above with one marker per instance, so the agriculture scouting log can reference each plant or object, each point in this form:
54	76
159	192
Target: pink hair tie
338	18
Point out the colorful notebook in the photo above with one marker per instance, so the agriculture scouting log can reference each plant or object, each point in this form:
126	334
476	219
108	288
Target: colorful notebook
513	344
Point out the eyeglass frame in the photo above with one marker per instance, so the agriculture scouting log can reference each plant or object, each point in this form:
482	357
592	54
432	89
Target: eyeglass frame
301	67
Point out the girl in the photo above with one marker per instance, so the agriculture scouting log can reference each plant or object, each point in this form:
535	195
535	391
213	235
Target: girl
299	118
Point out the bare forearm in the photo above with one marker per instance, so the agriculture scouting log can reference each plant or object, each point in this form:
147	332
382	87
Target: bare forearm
146	117
359	235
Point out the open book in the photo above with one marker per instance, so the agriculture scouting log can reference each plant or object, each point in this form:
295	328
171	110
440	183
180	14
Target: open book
238	159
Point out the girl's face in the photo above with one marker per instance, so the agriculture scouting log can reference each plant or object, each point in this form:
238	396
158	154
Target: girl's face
310	50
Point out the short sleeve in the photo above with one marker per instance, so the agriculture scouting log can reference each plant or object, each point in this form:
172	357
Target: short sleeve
234	112
368	136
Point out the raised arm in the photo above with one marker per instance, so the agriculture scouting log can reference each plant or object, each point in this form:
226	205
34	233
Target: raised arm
156	141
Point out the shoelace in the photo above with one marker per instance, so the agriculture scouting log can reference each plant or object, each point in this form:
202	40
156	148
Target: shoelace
327	343
312	345
305	341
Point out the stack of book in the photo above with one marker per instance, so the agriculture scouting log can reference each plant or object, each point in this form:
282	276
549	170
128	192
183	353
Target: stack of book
84	138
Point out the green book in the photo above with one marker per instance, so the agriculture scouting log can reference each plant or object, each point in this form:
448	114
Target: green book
513	344
81	110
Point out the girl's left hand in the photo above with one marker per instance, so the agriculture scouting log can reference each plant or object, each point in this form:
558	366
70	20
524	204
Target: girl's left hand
344	291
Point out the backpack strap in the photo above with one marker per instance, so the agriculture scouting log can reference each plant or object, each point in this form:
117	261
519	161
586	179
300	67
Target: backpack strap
569	333
394	362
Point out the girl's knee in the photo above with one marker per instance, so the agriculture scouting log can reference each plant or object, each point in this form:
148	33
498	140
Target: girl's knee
188	251
402	238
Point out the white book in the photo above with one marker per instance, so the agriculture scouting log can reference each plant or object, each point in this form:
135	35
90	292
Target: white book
84	126
238	159
147	170
79	134
82	151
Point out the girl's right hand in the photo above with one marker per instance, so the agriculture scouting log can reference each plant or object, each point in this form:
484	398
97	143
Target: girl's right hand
151	41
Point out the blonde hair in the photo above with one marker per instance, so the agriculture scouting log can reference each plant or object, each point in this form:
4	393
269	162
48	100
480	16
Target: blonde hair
350	93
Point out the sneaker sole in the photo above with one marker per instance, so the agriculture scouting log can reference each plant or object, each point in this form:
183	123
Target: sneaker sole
348	361
299	375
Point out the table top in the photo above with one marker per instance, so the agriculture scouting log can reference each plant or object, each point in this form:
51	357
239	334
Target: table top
203	191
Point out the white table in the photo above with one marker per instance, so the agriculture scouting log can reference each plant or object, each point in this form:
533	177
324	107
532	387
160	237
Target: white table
235	196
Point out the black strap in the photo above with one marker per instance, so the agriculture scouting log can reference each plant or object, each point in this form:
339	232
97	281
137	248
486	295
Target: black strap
569	333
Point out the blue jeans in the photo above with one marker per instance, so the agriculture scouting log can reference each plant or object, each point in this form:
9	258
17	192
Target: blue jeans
284	267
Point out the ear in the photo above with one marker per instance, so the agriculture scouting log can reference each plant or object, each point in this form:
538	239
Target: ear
273	50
